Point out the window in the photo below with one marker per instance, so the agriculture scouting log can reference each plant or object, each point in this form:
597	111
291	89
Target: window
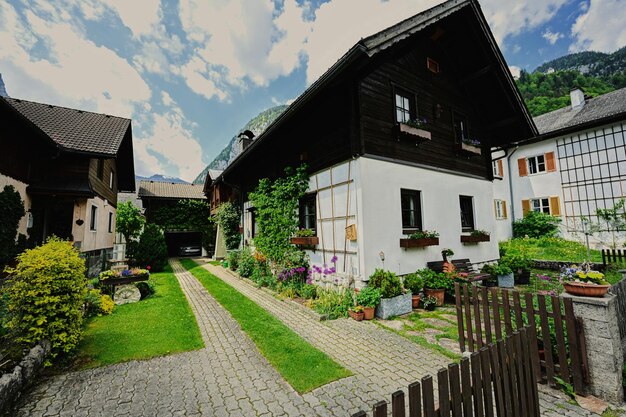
100	168
497	168
467	213
404	108
93	222
111	179
536	164
460	127
308	217
540	204
411	210
549	205
500	208
432	65
110	222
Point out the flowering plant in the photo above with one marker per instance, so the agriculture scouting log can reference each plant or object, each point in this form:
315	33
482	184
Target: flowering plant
577	274
479	232
472	142
417	123
424	234
305	233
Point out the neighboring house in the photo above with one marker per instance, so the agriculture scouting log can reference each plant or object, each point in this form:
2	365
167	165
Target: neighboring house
575	166
155	195
371	172
68	165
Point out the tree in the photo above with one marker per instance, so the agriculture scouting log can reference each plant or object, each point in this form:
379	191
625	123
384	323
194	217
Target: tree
151	250
228	218
129	221
11	211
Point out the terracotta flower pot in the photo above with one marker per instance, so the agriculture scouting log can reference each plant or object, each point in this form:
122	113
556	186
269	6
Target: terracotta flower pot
585	289
356	316
437	293
368	313
415	299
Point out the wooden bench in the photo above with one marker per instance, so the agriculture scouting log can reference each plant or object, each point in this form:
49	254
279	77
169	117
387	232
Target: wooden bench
460	265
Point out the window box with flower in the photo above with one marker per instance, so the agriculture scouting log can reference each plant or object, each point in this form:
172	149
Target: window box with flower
305	237
584	282
476	236
420	239
470	146
414	129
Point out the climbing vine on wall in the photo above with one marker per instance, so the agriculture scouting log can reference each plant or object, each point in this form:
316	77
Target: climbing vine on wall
276	204
228	218
187	215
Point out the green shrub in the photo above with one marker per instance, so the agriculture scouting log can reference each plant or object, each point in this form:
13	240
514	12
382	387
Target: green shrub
46	291
308	291
4	314
146	288
232	257
333	303
536	224
228	218
436	281
388	283
11	211
246	263
414	283
368	297
151	250
97	304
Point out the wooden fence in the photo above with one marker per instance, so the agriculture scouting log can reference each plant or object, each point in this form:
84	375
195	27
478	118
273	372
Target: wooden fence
495	381
557	338
613	256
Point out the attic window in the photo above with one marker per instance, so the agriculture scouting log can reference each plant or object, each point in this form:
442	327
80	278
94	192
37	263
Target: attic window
432	65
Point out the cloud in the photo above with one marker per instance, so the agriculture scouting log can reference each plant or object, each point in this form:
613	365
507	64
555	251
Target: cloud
601	27
515	71
551	37
141	17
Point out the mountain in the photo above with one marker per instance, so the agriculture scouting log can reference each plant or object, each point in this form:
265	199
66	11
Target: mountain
597	64
160	178
257	126
3	90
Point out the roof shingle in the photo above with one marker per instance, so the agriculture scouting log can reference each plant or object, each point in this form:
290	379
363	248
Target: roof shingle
157	189
74	130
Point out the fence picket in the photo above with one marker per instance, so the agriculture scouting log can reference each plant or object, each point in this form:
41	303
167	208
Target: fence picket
507	312
476	385
459	315
560	340
547	343
380	409
485	303
444	393
495	308
397	404
466	387
428	397
486	381
477	321
534	349
415	400
455	390
468	319
572	339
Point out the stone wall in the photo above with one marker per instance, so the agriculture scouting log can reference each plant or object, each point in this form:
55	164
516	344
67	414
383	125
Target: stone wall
12	384
557	265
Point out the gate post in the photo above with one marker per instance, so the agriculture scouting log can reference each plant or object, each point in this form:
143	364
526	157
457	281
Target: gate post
605	355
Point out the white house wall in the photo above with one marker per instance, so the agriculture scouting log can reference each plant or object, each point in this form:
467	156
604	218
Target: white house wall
101	238
502	191
380	183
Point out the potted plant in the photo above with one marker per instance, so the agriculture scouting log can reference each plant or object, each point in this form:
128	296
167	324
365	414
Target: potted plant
369	298
305	237
503	273
414	283
430	303
584	282
420	239
356	313
435	284
470	146
445	253
415	129
394	301
520	264
475	236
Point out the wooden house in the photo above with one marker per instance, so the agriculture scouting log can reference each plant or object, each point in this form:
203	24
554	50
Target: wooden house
68	166
374	174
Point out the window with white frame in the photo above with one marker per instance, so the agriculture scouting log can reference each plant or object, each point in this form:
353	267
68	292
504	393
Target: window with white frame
540	204
500	207
111	179
536	164
411	210
93	221
110	222
467	213
403	107
497	168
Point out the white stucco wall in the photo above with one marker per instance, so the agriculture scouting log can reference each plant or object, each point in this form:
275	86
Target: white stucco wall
380	221
502	191
20	187
101	238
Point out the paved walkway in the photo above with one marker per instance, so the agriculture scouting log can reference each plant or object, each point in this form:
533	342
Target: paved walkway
229	377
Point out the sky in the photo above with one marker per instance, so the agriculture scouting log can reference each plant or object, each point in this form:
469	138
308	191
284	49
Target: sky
191	73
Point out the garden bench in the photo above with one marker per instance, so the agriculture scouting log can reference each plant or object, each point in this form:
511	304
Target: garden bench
460	265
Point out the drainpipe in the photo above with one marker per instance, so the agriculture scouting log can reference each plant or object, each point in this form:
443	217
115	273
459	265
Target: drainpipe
508	163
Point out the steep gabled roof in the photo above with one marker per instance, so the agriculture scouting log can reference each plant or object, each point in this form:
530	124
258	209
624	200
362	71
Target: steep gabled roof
74	130
595	111
170	190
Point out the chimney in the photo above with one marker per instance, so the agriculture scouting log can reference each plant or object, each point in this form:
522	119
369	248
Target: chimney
245	139
577	98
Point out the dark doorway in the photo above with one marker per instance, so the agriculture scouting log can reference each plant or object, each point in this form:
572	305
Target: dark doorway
52	217
176	241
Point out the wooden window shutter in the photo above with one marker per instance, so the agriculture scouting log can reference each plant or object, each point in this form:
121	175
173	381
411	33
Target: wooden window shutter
550	162
523	168
500	169
525	207
555	206
504	213
495	208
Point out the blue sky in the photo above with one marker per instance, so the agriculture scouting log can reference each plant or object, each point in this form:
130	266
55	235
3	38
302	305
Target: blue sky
190	73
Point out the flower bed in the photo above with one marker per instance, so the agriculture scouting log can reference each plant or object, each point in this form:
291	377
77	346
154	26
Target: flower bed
126	276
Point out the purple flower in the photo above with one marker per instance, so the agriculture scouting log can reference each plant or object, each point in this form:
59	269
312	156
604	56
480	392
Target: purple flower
300	270
309	280
334	259
126	273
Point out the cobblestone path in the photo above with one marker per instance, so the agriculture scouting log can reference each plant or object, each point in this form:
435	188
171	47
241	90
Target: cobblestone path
229	377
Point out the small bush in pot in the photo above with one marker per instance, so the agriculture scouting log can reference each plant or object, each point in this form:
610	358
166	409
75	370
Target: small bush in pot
435	284
429	303
369	298
414	283
388	283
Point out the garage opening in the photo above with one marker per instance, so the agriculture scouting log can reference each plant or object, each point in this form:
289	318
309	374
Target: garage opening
184	243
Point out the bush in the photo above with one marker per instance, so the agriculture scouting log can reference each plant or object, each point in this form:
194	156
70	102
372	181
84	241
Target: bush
97	304
308	291
246	263
232	257
368	297
11	211
151	250
414	283
146	288
388	283
333	303
536	224
46	292
228	218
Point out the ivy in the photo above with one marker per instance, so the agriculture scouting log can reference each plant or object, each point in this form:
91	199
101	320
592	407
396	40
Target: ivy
11	211
228	217
187	215
276	204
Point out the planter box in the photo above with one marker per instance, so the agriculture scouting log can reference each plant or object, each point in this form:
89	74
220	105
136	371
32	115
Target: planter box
416	133
310	241
470	149
419	243
396	306
125	280
506	281
474	239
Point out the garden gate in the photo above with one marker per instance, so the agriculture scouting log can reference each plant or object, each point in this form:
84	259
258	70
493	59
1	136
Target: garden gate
494	382
557	342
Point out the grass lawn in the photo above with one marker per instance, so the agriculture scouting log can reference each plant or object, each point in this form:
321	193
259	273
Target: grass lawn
552	249
302	365
159	325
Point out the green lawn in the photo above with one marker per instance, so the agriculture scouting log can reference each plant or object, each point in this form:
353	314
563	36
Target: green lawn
302	365
552	249
159	325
